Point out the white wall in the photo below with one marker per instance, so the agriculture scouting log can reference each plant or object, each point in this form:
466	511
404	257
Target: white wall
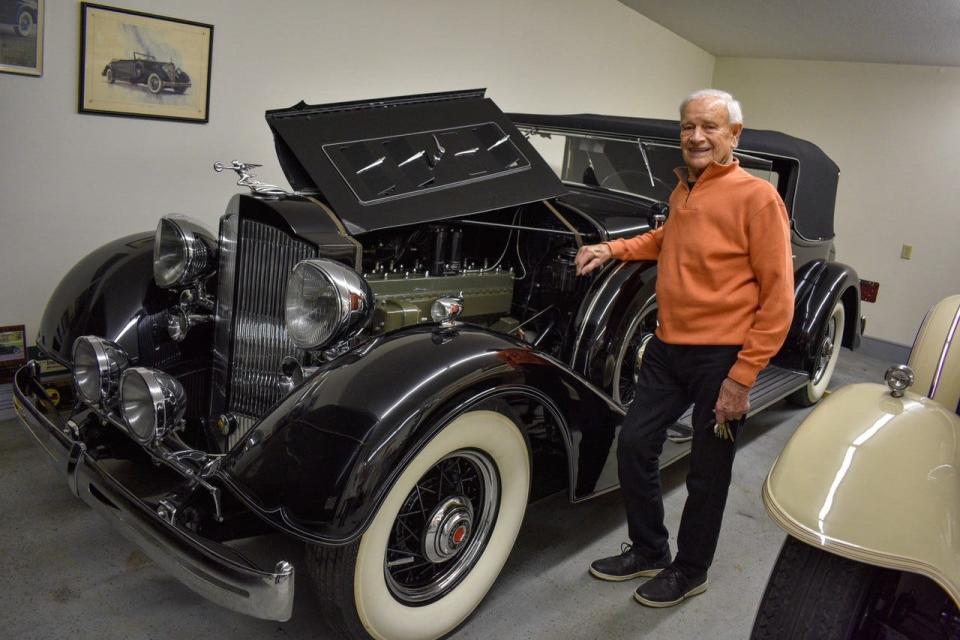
71	181
895	132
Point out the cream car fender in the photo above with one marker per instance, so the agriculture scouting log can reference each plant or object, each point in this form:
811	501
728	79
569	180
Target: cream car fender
875	479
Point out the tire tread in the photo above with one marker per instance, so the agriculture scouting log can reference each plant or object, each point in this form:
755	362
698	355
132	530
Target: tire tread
812	595
332	571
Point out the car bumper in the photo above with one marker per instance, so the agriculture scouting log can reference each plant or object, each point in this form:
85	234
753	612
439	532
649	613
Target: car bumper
209	568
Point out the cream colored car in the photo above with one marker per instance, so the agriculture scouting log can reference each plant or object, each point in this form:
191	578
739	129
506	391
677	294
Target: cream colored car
868	489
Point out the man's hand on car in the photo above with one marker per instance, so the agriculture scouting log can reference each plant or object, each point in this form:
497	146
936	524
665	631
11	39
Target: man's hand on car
592	256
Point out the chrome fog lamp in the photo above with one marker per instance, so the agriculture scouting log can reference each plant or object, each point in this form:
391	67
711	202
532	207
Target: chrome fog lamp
183	252
325	301
899	378
151	403
97	365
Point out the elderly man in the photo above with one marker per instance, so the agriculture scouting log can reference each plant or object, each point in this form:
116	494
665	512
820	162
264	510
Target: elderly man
725	296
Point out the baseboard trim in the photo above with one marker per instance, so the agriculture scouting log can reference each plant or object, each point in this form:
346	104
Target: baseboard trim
893	352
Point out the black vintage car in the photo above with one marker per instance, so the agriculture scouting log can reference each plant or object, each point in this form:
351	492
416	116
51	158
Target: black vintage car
392	361
146	70
22	14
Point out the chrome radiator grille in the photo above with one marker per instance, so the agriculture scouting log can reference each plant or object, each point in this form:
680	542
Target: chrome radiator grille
251	340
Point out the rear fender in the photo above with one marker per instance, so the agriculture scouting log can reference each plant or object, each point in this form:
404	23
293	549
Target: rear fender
874	478
818	286
320	463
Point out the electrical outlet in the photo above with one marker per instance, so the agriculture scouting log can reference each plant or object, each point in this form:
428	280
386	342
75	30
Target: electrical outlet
906	251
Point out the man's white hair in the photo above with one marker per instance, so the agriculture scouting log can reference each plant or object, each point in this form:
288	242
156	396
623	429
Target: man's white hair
734	112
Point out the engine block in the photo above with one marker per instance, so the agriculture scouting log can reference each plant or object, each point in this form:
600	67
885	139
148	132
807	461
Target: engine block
404	299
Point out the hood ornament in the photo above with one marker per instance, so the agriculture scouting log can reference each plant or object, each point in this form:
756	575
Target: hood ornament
249	179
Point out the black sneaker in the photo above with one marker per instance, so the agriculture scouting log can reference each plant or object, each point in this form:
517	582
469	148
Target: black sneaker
629	564
670	587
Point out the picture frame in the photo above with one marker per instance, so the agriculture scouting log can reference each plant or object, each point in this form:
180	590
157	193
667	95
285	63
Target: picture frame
13	348
142	65
21	37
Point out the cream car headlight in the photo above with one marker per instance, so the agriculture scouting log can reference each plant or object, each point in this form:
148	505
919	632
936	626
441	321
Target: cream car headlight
183	252
97	365
151	403
325	301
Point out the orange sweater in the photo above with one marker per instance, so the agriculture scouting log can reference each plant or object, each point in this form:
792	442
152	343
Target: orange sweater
725	272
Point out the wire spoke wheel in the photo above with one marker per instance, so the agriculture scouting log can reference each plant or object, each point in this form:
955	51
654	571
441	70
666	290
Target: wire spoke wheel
442	527
825	361
439	538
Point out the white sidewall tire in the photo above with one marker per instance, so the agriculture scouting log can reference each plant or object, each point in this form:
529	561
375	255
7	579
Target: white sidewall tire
381	614
815	391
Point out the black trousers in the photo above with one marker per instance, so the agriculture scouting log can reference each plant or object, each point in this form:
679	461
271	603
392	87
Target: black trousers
670	379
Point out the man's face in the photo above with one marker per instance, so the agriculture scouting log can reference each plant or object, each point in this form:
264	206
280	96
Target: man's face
706	134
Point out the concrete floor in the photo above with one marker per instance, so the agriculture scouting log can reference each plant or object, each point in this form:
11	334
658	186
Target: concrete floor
67	573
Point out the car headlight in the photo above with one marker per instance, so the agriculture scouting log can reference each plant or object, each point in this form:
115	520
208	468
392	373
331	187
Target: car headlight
325	301
151	403
183	252
97	365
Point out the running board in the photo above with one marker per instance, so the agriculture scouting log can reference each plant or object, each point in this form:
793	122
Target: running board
773	384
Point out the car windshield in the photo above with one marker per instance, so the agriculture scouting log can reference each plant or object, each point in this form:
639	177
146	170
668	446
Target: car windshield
639	167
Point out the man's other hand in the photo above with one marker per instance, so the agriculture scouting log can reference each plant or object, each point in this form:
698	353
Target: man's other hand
592	256
733	401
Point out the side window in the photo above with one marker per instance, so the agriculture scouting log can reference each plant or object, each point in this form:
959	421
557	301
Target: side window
770	175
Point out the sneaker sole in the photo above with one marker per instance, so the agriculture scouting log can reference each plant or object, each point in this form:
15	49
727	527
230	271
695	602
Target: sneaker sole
670	603
646	573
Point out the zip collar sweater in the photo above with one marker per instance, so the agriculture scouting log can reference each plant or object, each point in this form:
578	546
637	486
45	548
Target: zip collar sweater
725	271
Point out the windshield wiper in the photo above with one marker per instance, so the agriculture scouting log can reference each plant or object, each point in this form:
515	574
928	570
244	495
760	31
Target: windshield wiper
646	163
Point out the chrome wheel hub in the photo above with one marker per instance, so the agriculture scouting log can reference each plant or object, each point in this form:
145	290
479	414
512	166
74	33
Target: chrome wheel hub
442	527
826	351
448	529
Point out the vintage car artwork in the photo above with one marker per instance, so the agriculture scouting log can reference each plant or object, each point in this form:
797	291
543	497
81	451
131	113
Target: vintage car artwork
22	14
391	361
144	69
868	491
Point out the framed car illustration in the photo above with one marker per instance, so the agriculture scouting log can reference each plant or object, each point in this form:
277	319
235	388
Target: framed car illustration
391	360
144	65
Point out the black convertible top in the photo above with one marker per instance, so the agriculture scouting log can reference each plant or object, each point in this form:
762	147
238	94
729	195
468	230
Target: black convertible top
811	187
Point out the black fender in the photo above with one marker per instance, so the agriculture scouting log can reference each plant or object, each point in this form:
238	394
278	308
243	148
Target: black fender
102	295
818	286
319	464
613	296
111	293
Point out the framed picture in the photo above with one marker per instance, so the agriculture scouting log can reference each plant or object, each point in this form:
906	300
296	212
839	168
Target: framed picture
21	36
143	65
13	346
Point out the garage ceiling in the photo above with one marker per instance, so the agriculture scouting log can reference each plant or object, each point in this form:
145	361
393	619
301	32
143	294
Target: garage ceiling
925	32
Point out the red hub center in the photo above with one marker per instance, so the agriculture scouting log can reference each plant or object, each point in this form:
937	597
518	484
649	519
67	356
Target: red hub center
458	534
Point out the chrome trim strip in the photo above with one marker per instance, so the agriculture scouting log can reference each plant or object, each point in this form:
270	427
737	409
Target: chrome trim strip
212	570
943	354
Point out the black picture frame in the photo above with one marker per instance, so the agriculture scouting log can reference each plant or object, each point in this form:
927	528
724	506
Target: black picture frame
143	65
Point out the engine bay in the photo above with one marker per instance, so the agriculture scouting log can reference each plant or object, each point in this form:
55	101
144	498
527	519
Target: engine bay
514	270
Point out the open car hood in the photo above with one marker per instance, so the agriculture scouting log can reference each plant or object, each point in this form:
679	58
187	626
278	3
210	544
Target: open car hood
413	159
